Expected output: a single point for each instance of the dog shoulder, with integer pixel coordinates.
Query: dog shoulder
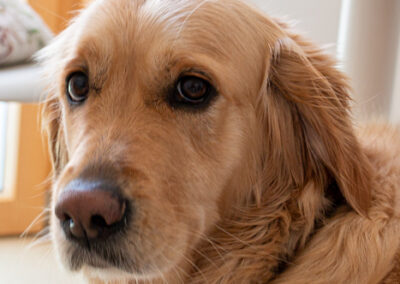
(381, 143)
(338, 244)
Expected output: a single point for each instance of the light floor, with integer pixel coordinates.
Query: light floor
(22, 263)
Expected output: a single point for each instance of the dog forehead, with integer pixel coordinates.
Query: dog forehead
(217, 27)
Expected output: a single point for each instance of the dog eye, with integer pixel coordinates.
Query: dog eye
(77, 87)
(193, 90)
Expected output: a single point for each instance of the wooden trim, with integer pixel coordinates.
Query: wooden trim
(27, 168)
(56, 13)
(11, 157)
(27, 161)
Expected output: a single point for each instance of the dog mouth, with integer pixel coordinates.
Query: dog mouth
(101, 256)
(110, 248)
(126, 254)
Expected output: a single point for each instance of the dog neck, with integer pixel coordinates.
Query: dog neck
(261, 237)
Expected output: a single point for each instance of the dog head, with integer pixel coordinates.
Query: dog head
(162, 115)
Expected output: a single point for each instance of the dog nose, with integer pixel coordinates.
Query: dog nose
(90, 210)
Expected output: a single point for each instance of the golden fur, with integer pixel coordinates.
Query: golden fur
(270, 184)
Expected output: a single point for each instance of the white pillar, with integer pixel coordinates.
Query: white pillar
(367, 48)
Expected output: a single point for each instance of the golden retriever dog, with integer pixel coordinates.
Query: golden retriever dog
(200, 141)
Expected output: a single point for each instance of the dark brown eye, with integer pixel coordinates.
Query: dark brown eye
(77, 87)
(193, 89)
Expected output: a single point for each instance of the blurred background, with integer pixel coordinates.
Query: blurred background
(362, 34)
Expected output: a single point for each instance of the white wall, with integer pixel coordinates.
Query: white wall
(396, 90)
(368, 47)
(316, 19)
(319, 21)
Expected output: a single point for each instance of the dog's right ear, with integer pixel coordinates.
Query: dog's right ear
(51, 124)
(310, 136)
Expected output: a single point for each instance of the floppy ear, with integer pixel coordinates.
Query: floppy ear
(310, 133)
(51, 119)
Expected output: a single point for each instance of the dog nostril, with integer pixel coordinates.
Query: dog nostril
(98, 221)
(69, 225)
(66, 217)
(75, 229)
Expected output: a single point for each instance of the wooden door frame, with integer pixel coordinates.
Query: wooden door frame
(27, 168)
(27, 159)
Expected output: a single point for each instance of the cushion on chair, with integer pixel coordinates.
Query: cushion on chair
(22, 32)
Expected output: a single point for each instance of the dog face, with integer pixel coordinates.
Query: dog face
(149, 105)
(163, 112)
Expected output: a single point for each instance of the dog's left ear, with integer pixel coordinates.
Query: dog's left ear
(304, 83)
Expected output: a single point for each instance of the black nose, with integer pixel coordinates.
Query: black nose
(91, 210)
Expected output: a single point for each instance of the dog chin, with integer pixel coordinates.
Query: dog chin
(95, 267)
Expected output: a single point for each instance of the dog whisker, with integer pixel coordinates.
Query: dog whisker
(39, 218)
